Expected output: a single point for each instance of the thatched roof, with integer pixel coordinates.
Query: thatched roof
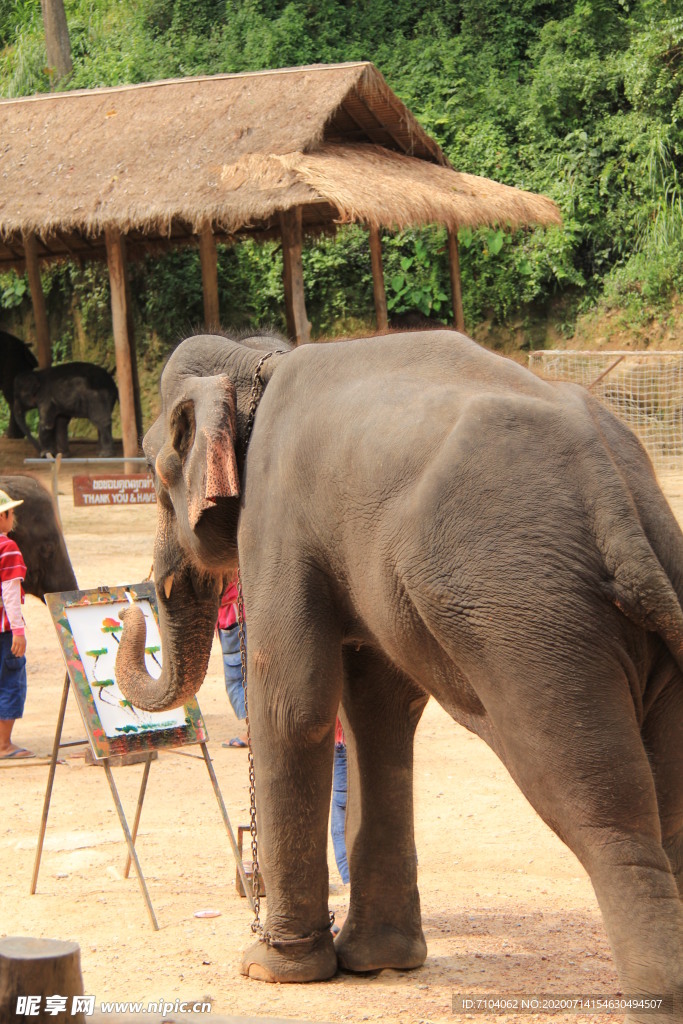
(159, 160)
(376, 186)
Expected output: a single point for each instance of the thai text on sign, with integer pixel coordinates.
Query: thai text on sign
(133, 489)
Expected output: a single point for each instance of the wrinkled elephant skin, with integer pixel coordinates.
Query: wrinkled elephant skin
(417, 516)
(40, 538)
(62, 393)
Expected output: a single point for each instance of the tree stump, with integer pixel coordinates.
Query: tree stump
(46, 969)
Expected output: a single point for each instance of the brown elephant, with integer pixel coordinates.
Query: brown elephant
(417, 516)
(60, 394)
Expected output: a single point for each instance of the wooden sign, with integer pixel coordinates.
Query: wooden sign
(89, 629)
(133, 489)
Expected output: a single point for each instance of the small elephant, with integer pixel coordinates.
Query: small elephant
(417, 516)
(40, 538)
(15, 358)
(61, 393)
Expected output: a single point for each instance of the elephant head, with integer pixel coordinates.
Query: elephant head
(197, 450)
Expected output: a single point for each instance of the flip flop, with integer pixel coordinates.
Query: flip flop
(20, 752)
(234, 742)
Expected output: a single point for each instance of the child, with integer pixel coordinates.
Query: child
(12, 638)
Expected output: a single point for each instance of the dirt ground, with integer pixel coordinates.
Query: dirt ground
(507, 909)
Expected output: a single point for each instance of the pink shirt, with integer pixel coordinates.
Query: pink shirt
(12, 572)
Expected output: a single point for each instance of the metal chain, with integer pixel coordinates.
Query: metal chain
(255, 878)
(256, 392)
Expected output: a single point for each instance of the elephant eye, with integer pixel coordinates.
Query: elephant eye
(183, 428)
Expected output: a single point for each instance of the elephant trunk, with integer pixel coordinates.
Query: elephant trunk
(185, 655)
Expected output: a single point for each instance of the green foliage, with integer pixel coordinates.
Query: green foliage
(13, 289)
(416, 273)
(338, 280)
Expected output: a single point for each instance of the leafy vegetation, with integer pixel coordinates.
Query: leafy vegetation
(578, 99)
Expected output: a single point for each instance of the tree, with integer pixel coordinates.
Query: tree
(57, 40)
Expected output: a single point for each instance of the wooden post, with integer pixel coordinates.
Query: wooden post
(458, 317)
(119, 314)
(378, 280)
(130, 324)
(209, 260)
(38, 300)
(43, 969)
(298, 324)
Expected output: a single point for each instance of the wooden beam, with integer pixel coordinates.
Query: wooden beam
(378, 281)
(456, 290)
(116, 262)
(209, 260)
(38, 299)
(298, 325)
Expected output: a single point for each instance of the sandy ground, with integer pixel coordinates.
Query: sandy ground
(507, 909)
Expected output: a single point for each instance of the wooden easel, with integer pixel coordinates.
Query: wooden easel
(130, 836)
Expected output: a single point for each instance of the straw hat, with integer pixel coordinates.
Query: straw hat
(6, 503)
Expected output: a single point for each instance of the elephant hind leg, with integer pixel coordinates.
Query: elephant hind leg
(62, 435)
(381, 709)
(582, 764)
(663, 736)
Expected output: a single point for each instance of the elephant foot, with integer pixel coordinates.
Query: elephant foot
(286, 964)
(377, 946)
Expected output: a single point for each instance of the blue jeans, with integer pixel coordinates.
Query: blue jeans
(338, 821)
(12, 681)
(232, 668)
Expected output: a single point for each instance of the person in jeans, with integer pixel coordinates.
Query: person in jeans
(229, 636)
(338, 818)
(12, 633)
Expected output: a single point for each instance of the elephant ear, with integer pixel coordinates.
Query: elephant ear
(205, 432)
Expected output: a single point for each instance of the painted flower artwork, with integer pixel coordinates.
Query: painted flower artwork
(96, 630)
(89, 631)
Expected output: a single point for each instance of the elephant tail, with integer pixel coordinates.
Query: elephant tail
(638, 537)
(637, 581)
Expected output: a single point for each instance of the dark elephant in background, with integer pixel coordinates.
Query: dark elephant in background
(60, 394)
(15, 358)
(417, 516)
(39, 536)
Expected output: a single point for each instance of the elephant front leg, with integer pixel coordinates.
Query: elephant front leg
(294, 687)
(381, 711)
(102, 420)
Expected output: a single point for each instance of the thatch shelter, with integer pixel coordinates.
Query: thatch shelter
(114, 173)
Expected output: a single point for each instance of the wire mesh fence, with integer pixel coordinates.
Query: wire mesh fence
(645, 389)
